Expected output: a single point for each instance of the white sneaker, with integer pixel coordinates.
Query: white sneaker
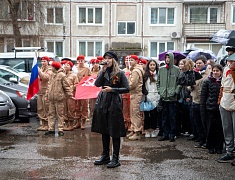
(154, 134)
(147, 134)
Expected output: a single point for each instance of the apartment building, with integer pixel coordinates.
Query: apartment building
(141, 27)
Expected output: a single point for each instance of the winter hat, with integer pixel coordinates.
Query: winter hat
(45, 58)
(63, 62)
(81, 57)
(56, 65)
(70, 63)
(111, 54)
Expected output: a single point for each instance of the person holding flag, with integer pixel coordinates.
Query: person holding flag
(70, 103)
(43, 107)
(81, 104)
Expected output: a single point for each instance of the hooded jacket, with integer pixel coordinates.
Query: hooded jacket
(167, 80)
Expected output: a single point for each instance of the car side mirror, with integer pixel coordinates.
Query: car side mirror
(14, 80)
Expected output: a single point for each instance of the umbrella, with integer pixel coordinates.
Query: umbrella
(207, 53)
(177, 55)
(187, 51)
(225, 37)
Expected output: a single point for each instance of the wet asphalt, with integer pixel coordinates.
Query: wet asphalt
(26, 153)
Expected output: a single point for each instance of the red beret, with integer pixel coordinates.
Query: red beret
(133, 57)
(70, 63)
(63, 62)
(81, 57)
(92, 61)
(143, 61)
(100, 58)
(56, 64)
(45, 58)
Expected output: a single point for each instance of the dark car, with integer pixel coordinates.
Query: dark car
(7, 109)
(17, 93)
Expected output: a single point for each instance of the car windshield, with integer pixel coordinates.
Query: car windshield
(15, 70)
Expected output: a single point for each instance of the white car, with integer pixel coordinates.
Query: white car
(15, 76)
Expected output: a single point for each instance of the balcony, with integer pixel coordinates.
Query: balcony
(201, 30)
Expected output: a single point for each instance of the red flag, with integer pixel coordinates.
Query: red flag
(86, 88)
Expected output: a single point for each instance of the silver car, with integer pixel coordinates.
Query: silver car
(7, 109)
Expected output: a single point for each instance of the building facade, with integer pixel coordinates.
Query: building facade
(141, 27)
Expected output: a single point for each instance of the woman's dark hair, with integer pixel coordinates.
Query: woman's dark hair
(147, 73)
(218, 66)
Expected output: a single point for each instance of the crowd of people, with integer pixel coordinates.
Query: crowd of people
(191, 98)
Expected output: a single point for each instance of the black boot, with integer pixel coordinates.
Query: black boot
(114, 162)
(105, 159)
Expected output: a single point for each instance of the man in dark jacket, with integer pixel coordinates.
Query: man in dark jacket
(168, 90)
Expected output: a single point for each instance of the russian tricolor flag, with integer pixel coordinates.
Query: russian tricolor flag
(33, 84)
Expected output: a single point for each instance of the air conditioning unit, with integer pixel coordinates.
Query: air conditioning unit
(175, 35)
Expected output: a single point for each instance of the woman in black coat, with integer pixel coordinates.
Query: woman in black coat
(209, 110)
(108, 117)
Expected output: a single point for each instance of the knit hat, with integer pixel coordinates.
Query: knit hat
(111, 54)
(45, 58)
(81, 57)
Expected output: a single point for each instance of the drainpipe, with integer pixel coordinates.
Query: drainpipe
(110, 19)
(142, 29)
(70, 31)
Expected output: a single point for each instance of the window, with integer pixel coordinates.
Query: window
(26, 10)
(4, 10)
(90, 48)
(203, 15)
(89, 15)
(56, 47)
(162, 15)
(10, 43)
(55, 15)
(126, 27)
(158, 47)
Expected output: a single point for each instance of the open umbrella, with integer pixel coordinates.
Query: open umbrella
(207, 53)
(225, 37)
(177, 55)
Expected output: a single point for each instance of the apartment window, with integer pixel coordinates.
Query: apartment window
(162, 15)
(26, 43)
(126, 28)
(55, 15)
(56, 47)
(233, 13)
(158, 47)
(89, 15)
(4, 10)
(203, 15)
(90, 48)
(25, 10)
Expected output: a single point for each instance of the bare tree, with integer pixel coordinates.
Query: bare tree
(26, 16)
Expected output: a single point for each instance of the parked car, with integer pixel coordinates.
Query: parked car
(22, 58)
(18, 93)
(15, 76)
(7, 109)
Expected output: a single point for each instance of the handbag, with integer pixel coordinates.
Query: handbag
(146, 106)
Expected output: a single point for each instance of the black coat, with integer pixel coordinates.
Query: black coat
(108, 116)
(209, 95)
